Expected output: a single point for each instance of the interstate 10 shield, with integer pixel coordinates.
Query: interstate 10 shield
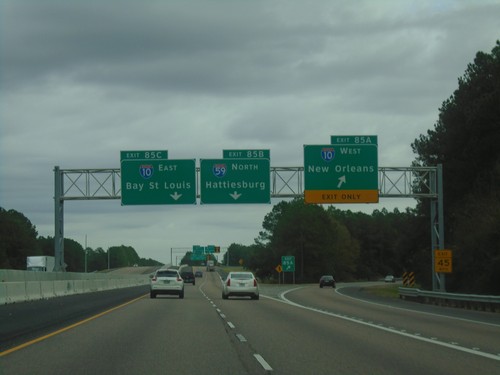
(146, 171)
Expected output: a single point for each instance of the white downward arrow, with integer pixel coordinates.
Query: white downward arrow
(235, 195)
(341, 181)
(176, 196)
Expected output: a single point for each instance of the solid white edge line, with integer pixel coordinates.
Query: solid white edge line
(263, 362)
(414, 311)
(420, 338)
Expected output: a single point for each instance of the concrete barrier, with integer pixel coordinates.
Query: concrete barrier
(3, 293)
(16, 292)
(33, 290)
(47, 289)
(20, 286)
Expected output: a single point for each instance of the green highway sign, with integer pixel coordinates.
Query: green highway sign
(345, 171)
(235, 181)
(197, 249)
(246, 154)
(355, 140)
(288, 263)
(153, 181)
(198, 257)
(146, 155)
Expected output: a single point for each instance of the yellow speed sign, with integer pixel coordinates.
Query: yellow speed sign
(443, 261)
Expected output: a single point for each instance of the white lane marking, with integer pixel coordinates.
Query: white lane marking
(263, 362)
(231, 325)
(413, 311)
(283, 299)
(241, 337)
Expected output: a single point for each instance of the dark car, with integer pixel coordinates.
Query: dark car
(198, 274)
(327, 280)
(188, 277)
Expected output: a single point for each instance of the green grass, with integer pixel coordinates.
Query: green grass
(388, 291)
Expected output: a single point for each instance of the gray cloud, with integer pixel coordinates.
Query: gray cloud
(80, 81)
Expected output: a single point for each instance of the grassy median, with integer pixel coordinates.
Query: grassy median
(387, 291)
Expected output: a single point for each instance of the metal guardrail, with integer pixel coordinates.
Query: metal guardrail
(468, 301)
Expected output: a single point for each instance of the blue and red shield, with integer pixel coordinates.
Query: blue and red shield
(146, 171)
(219, 170)
(327, 154)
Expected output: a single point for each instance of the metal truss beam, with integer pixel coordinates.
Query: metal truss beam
(286, 182)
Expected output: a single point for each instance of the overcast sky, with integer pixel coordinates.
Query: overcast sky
(82, 80)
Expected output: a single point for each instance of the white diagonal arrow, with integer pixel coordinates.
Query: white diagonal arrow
(341, 181)
(235, 195)
(176, 196)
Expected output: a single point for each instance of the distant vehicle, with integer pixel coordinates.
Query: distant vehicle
(240, 284)
(210, 265)
(327, 280)
(198, 274)
(40, 263)
(187, 273)
(188, 276)
(390, 279)
(166, 281)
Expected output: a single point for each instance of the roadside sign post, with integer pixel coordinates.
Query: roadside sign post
(279, 269)
(345, 171)
(288, 265)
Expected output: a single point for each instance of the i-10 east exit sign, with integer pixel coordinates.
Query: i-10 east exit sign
(148, 178)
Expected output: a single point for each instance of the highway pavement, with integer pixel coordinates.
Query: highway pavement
(292, 329)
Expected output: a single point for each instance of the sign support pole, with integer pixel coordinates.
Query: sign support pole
(59, 221)
(437, 227)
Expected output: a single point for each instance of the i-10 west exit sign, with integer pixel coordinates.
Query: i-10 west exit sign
(345, 171)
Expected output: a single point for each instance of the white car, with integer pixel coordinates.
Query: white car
(166, 281)
(390, 279)
(240, 284)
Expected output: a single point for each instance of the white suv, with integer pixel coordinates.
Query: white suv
(166, 281)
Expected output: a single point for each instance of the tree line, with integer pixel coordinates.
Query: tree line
(349, 245)
(466, 141)
(19, 239)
